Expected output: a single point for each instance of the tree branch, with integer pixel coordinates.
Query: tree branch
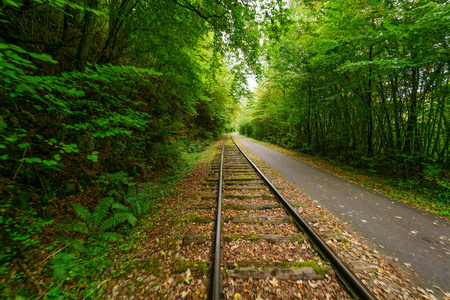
(193, 9)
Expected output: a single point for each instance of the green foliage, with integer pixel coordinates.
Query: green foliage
(90, 95)
(97, 221)
(364, 83)
(63, 262)
(19, 232)
(77, 268)
(139, 203)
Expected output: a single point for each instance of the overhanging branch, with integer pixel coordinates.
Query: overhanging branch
(199, 13)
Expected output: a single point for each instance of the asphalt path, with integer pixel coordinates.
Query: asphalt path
(416, 240)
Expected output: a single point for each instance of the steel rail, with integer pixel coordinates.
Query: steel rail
(215, 280)
(348, 278)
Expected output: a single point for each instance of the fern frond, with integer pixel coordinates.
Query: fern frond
(110, 236)
(115, 220)
(136, 208)
(72, 225)
(63, 262)
(132, 220)
(140, 203)
(101, 210)
(82, 212)
(120, 207)
(145, 206)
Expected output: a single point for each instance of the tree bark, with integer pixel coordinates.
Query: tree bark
(86, 40)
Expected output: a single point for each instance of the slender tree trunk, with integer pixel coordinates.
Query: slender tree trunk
(411, 147)
(309, 114)
(88, 30)
(387, 123)
(369, 107)
(397, 114)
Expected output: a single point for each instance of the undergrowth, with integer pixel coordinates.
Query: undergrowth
(85, 248)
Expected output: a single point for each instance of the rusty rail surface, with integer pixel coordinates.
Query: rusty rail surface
(215, 280)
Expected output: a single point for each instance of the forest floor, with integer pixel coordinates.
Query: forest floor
(159, 266)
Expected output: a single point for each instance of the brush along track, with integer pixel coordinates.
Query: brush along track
(263, 253)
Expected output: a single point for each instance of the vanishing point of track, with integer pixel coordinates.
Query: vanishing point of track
(237, 173)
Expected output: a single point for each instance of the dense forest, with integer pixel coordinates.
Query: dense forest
(364, 83)
(104, 103)
(101, 103)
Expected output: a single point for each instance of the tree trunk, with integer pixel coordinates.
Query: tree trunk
(369, 107)
(86, 40)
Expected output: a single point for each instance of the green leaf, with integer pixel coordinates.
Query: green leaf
(49, 163)
(4, 157)
(31, 160)
(93, 157)
(12, 3)
(23, 145)
(57, 157)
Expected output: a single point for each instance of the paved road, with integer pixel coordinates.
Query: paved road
(398, 230)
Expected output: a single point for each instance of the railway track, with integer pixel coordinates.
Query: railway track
(261, 242)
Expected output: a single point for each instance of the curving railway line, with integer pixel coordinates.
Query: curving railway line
(259, 235)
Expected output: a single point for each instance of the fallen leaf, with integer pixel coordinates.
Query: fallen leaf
(188, 276)
(274, 282)
(237, 296)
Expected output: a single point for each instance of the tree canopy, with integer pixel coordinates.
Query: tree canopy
(364, 82)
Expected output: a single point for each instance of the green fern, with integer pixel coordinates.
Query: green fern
(116, 219)
(111, 236)
(101, 211)
(82, 212)
(63, 262)
(120, 207)
(72, 225)
(94, 222)
(140, 201)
